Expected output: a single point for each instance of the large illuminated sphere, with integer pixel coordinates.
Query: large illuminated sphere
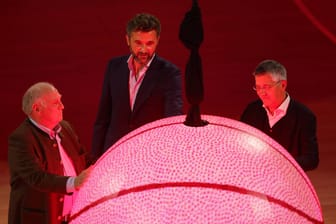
(224, 172)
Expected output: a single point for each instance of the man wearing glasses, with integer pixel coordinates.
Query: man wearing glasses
(287, 121)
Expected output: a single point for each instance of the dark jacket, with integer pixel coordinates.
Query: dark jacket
(37, 184)
(296, 131)
(159, 96)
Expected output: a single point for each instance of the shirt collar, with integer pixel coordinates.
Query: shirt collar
(130, 64)
(51, 132)
(284, 105)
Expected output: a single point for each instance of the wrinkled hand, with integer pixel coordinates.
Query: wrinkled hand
(82, 177)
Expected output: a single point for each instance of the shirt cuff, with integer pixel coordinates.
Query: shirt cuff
(70, 185)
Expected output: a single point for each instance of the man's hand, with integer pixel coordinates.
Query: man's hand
(82, 177)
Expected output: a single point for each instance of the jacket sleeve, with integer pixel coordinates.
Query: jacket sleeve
(308, 156)
(173, 95)
(102, 121)
(26, 164)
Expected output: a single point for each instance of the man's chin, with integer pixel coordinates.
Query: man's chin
(143, 62)
(265, 103)
(143, 59)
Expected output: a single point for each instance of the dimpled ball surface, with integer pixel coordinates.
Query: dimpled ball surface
(224, 172)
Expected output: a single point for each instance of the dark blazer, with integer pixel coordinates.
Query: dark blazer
(37, 184)
(296, 131)
(159, 96)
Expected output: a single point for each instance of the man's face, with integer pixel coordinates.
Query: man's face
(50, 109)
(271, 92)
(142, 45)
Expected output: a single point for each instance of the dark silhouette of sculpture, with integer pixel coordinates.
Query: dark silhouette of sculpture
(191, 35)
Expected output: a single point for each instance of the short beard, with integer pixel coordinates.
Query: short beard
(136, 58)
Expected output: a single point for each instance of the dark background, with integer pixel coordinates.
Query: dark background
(68, 43)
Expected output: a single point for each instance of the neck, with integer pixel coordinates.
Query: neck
(137, 67)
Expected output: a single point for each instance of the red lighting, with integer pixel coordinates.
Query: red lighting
(224, 172)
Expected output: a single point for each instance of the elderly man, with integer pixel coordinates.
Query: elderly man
(45, 158)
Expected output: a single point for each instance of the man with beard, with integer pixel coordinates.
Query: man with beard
(138, 88)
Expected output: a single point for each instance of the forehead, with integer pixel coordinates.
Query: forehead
(264, 77)
(50, 95)
(144, 36)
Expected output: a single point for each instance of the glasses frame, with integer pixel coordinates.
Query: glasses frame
(266, 87)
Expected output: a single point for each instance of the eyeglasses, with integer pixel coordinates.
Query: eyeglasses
(265, 87)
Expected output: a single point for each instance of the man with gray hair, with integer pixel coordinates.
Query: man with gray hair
(46, 161)
(284, 119)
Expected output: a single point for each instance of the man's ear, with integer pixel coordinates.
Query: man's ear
(284, 84)
(127, 40)
(36, 107)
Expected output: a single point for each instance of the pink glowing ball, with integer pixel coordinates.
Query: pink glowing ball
(224, 172)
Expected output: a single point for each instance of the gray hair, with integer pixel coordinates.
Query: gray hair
(277, 70)
(34, 93)
(143, 22)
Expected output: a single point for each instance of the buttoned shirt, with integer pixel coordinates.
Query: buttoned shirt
(135, 80)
